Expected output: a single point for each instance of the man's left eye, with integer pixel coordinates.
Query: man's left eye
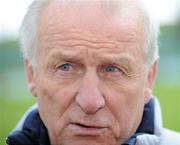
(112, 69)
(65, 67)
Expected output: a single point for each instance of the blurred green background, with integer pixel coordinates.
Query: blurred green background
(15, 98)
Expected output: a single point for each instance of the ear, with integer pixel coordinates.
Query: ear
(150, 81)
(30, 77)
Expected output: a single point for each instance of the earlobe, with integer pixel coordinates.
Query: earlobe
(150, 81)
(30, 77)
(32, 88)
(148, 94)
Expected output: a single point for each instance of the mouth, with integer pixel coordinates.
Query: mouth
(87, 126)
(86, 129)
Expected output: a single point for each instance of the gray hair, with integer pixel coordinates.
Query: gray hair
(28, 32)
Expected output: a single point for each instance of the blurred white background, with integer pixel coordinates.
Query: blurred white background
(12, 12)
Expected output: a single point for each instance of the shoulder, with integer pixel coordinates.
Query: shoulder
(30, 130)
(170, 137)
(30, 113)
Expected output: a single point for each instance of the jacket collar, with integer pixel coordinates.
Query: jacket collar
(32, 132)
(147, 124)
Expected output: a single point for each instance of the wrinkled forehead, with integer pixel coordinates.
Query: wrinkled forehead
(102, 16)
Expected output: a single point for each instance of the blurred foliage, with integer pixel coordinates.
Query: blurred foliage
(10, 113)
(169, 40)
(9, 54)
(169, 97)
(15, 98)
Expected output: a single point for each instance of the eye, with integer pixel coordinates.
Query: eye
(112, 69)
(65, 67)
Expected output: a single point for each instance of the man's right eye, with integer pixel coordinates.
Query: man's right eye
(65, 67)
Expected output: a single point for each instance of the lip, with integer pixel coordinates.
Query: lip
(86, 130)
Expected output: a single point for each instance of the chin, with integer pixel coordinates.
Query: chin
(85, 140)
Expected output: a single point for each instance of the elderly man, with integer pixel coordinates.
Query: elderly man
(91, 64)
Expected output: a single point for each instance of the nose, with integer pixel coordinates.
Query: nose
(89, 98)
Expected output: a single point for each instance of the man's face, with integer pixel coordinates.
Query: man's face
(90, 81)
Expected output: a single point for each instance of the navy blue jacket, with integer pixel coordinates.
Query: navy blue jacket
(33, 132)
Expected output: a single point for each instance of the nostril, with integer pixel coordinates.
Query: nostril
(90, 105)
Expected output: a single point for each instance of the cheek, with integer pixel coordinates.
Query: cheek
(126, 104)
(54, 100)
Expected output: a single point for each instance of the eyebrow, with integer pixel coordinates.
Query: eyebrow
(114, 56)
(106, 58)
(116, 59)
(67, 56)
